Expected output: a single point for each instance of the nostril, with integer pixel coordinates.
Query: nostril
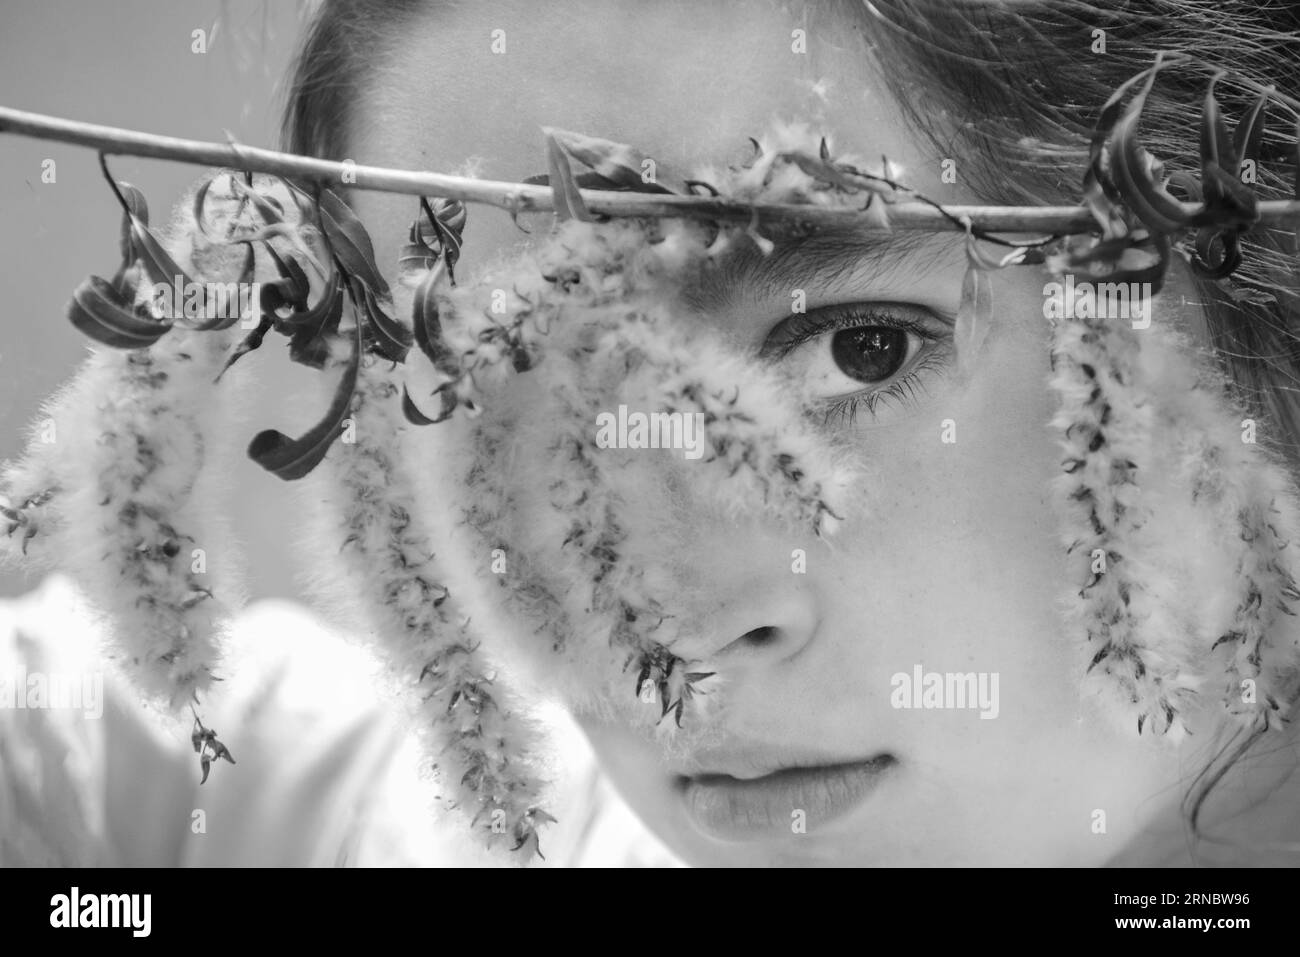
(759, 636)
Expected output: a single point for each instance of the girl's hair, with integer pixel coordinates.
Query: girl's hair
(1010, 90)
(344, 44)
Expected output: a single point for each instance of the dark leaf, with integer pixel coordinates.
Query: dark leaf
(295, 286)
(1218, 252)
(250, 342)
(135, 201)
(102, 313)
(1106, 119)
(541, 817)
(313, 328)
(304, 201)
(1249, 134)
(447, 220)
(451, 213)
(384, 334)
(350, 242)
(1226, 196)
(157, 262)
(219, 751)
(521, 360)
(616, 162)
(1216, 146)
(1135, 171)
(1228, 201)
(269, 209)
(291, 459)
(200, 205)
(290, 234)
(568, 201)
(428, 327)
(416, 417)
(275, 296)
(1187, 184)
(416, 258)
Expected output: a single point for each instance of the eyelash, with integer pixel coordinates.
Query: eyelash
(900, 390)
(805, 327)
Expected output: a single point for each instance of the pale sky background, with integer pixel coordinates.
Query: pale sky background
(124, 63)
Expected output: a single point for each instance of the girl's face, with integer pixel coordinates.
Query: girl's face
(960, 571)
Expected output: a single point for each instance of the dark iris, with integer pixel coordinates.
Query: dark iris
(869, 353)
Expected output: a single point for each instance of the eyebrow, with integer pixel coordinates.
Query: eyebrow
(825, 260)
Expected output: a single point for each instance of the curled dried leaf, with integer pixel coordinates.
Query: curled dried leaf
(1137, 174)
(383, 334)
(291, 458)
(428, 327)
(616, 163)
(157, 262)
(568, 201)
(267, 207)
(101, 312)
(137, 208)
(413, 414)
(312, 329)
(249, 343)
(291, 235)
(350, 243)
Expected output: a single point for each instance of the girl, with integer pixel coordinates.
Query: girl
(926, 685)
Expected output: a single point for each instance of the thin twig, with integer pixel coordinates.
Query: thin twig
(519, 197)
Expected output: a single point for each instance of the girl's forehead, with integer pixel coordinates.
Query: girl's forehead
(684, 83)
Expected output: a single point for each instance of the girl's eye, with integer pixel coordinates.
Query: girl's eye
(860, 355)
(870, 354)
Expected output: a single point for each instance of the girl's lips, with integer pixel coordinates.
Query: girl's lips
(731, 809)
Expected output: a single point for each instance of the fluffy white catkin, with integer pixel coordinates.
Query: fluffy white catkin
(1180, 530)
(373, 548)
(115, 489)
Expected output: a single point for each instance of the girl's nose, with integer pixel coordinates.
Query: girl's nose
(762, 622)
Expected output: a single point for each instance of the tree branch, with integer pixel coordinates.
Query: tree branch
(519, 197)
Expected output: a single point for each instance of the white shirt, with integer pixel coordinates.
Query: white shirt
(326, 774)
